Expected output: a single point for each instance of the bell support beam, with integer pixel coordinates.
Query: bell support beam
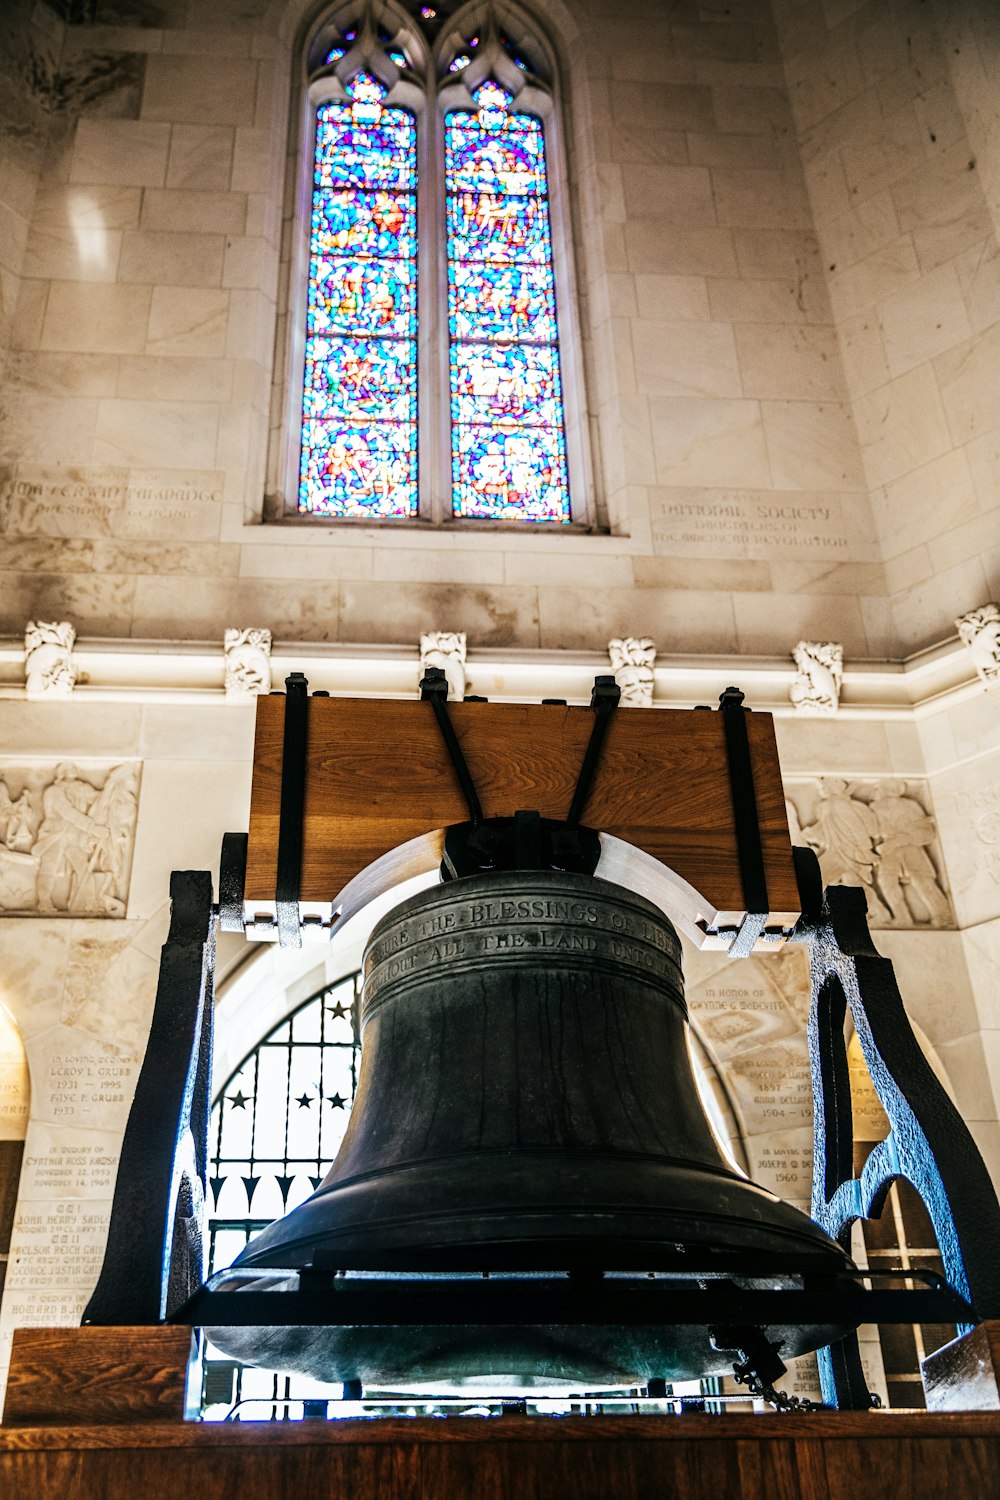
(155, 1252)
(381, 781)
(928, 1142)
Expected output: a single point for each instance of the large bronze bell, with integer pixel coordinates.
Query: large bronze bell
(527, 1103)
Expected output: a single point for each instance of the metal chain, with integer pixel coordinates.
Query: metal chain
(780, 1400)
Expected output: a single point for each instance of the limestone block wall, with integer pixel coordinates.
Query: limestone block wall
(31, 41)
(80, 988)
(137, 492)
(970, 36)
(899, 141)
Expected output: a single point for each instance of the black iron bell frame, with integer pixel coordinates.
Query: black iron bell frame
(154, 1265)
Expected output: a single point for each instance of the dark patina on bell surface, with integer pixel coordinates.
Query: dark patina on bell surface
(527, 1103)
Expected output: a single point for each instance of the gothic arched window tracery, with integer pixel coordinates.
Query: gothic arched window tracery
(429, 361)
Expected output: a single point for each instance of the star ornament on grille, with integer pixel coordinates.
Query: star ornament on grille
(304, 1101)
(239, 1100)
(337, 1100)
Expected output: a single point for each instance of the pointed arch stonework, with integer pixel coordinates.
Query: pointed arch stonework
(396, 417)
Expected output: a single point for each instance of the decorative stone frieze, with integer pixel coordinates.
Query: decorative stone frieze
(879, 835)
(445, 649)
(632, 659)
(66, 839)
(50, 671)
(980, 632)
(248, 662)
(816, 690)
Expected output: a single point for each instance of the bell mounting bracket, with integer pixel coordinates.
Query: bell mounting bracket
(527, 841)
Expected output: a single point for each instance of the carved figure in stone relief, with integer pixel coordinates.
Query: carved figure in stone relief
(980, 632)
(445, 649)
(879, 836)
(15, 820)
(816, 690)
(48, 659)
(81, 854)
(906, 873)
(843, 835)
(248, 661)
(65, 840)
(632, 659)
(113, 813)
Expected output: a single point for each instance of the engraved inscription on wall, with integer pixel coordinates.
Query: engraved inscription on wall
(121, 503)
(749, 523)
(66, 838)
(881, 836)
(975, 810)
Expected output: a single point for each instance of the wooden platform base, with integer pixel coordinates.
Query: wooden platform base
(97, 1414)
(61, 1377)
(867, 1456)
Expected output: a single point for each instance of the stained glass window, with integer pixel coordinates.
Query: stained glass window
(507, 423)
(359, 407)
(487, 246)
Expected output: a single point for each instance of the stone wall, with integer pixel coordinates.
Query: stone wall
(901, 151)
(725, 464)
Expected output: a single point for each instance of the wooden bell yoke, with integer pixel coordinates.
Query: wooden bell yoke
(352, 796)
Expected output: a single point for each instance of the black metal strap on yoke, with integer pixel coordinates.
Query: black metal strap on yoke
(604, 699)
(293, 799)
(747, 823)
(527, 841)
(434, 689)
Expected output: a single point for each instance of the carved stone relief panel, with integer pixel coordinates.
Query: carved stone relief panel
(881, 836)
(816, 689)
(632, 661)
(445, 649)
(49, 669)
(66, 838)
(248, 662)
(980, 632)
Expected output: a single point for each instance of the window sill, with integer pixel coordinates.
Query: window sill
(296, 530)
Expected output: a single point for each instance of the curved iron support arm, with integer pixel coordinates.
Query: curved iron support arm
(928, 1142)
(155, 1256)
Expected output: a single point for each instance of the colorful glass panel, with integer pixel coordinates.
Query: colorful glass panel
(363, 297)
(380, 155)
(491, 301)
(509, 475)
(350, 470)
(503, 382)
(359, 408)
(360, 380)
(508, 427)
